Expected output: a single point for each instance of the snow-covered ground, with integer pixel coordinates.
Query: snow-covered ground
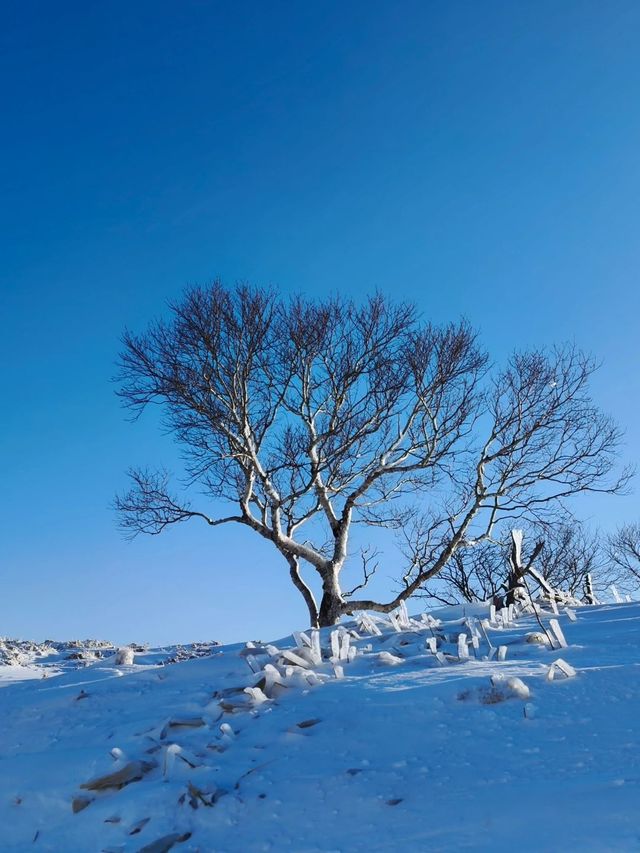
(25, 659)
(409, 751)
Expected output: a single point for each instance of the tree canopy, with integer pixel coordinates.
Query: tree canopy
(307, 416)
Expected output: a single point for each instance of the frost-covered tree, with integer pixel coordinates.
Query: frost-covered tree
(310, 416)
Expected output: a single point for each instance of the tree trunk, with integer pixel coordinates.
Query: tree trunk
(294, 572)
(515, 584)
(330, 608)
(588, 590)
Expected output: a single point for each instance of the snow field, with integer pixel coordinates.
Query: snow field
(384, 734)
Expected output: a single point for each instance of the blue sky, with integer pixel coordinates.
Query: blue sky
(480, 158)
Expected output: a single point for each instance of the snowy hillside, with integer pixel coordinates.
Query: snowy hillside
(23, 659)
(404, 737)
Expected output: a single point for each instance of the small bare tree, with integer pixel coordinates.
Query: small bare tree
(545, 443)
(623, 549)
(472, 574)
(568, 553)
(311, 416)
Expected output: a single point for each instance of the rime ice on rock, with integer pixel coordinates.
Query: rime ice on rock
(125, 656)
(463, 650)
(562, 668)
(557, 632)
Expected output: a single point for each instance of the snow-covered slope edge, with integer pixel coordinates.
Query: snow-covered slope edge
(406, 752)
(22, 659)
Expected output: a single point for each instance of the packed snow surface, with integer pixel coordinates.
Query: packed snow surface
(384, 735)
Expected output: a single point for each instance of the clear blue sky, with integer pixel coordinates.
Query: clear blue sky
(480, 158)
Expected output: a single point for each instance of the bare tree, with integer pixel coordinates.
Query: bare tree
(546, 442)
(312, 416)
(567, 554)
(570, 553)
(471, 574)
(623, 549)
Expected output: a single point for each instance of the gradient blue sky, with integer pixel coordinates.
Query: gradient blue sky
(480, 158)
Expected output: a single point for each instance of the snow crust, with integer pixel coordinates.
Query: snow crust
(390, 735)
